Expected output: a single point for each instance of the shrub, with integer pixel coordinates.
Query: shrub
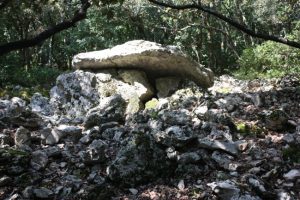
(44, 76)
(268, 60)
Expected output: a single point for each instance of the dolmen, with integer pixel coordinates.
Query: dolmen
(155, 59)
(123, 78)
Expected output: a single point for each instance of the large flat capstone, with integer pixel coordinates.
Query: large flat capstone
(153, 58)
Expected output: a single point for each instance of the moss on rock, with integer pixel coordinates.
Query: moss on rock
(152, 104)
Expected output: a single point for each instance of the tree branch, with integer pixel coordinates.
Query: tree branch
(79, 15)
(232, 22)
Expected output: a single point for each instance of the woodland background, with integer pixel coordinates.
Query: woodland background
(209, 40)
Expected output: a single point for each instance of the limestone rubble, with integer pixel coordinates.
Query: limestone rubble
(189, 145)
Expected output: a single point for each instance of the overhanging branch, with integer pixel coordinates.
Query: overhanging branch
(232, 22)
(79, 15)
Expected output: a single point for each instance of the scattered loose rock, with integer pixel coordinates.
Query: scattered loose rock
(40, 104)
(39, 160)
(22, 137)
(292, 174)
(228, 147)
(5, 181)
(42, 193)
(99, 136)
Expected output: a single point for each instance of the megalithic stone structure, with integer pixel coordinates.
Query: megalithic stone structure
(153, 58)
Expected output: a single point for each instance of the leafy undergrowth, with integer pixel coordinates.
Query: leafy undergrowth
(268, 60)
(250, 74)
(19, 82)
(24, 93)
(44, 76)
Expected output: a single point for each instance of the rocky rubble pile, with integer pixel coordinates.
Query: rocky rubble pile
(101, 137)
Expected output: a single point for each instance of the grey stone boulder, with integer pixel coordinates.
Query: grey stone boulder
(43, 193)
(132, 85)
(53, 151)
(110, 109)
(225, 161)
(22, 137)
(139, 80)
(228, 190)
(189, 157)
(71, 132)
(5, 140)
(27, 119)
(39, 160)
(228, 103)
(15, 112)
(211, 144)
(218, 116)
(176, 117)
(13, 161)
(54, 135)
(174, 136)
(95, 152)
(28, 192)
(79, 92)
(50, 136)
(10, 109)
(256, 184)
(139, 160)
(153, 58)
(5, 181)
(41, 104)
(292, 174)
(276, 120)
(74, 94)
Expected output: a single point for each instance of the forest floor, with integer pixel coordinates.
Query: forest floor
(239, 141)
(267, 117)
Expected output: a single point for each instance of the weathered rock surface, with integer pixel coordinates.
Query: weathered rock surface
(5, 181)
(39, 160)
(22, 137)
(227, 190)
(137, 161)
(74, 94)
(276, 120)
(78, 92)
(40, 104)
(95, 152)
(156, 59)
(111, 109)
(228, 147)
(50, 136)
(137, 79)
(42, 193)
(166, 86)
(292, 174)
(15, 112)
